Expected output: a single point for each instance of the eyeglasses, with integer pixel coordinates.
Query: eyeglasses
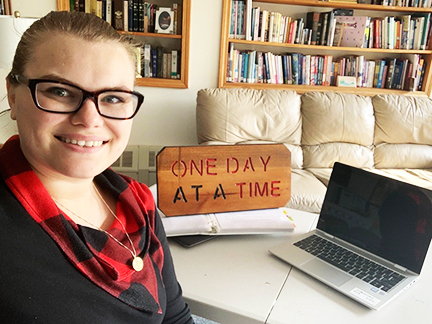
(63, 98)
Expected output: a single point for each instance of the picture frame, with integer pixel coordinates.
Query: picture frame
(346, 81)
(164, 21)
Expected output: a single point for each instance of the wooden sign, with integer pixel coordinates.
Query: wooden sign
(220, 178)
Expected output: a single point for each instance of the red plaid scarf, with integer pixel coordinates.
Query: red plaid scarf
(101, 259)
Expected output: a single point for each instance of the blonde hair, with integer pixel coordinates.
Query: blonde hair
(78, 24)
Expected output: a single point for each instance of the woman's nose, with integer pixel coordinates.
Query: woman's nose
(88, 114)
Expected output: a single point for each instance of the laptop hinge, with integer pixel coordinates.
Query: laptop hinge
(400, 267)
(326, 234)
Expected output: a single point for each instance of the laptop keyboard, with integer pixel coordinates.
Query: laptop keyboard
(350, 262)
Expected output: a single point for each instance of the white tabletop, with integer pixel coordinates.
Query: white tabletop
(306, 300)
(234, 279)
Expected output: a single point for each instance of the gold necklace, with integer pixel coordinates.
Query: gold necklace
(137, 262)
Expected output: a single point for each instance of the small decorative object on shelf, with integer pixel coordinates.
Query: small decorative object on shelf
(164, 21)
(307, 51)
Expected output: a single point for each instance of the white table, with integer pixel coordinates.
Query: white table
(235, 280)
(306, 300)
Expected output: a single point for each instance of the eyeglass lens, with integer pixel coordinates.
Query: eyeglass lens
(57, 97)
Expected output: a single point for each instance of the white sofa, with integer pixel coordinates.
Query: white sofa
(388, 134)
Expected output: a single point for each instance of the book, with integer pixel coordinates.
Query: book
(174, 63)
(390, 73)
(331, 30)
(138, 55)
(425, 30)
(354, 30)
(271, 26)
(370, 74)
(135, 16)
(165, 65)
(295, 68)
(109, 8)
(146, 73)
(338, 32)
(118, 14)
(154, 62)
(406, 23)
(312, 23)
(248, 10)
(423, 69)
(324, 29)
(230, 223)
(125, 15)
(141, 16)
(176, 19)
(366, 34)
(343, 12)
(160, 54)
(241, 24)
(264, 26)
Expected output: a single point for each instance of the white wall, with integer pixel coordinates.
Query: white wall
(32, 8)
(168, 115)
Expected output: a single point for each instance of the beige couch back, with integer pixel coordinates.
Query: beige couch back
(385, 131)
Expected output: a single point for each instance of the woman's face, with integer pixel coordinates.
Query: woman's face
(47, 138)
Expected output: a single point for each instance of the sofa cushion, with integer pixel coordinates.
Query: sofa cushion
(322, 174)
(246, 115)
(307, 192)
(420, 178)
(403, 132)
(401, 156)
(337, 127)
(324, 155)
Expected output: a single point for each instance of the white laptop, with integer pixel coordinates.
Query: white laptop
(372, 236)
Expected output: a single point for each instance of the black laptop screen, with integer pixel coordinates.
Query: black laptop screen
(386, 217)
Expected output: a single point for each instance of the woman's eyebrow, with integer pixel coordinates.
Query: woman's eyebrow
(55, 77)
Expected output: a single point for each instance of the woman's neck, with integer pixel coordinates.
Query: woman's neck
(79, 199)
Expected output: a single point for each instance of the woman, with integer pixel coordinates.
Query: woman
(79, 243)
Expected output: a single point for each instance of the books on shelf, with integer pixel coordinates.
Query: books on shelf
(322, 70)
(397, 3)
(157, 62)
(406, 31)
(404, 3)
(127, 15)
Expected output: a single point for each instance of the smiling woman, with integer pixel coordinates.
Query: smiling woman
(95, 243)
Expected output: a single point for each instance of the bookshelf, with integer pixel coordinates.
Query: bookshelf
(300, 9)
(179, 41)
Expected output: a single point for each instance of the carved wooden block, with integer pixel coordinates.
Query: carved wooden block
(220, 178)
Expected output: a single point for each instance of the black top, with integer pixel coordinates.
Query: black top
(39, 285)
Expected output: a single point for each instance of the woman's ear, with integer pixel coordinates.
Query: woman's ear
(11, 95)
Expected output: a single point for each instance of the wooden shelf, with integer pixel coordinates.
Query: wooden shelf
(330, 48)
(156, 35)
(160, 83)
(183, 82)
(317, 49)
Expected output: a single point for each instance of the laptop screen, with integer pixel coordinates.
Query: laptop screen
(386, 217)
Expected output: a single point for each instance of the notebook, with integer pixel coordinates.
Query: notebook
(371, 239)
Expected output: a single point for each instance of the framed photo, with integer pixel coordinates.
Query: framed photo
(346, 81)
(164, 22)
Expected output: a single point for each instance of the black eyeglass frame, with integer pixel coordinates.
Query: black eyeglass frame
(32, 83)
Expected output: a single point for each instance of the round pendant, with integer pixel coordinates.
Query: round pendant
(137, 264)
